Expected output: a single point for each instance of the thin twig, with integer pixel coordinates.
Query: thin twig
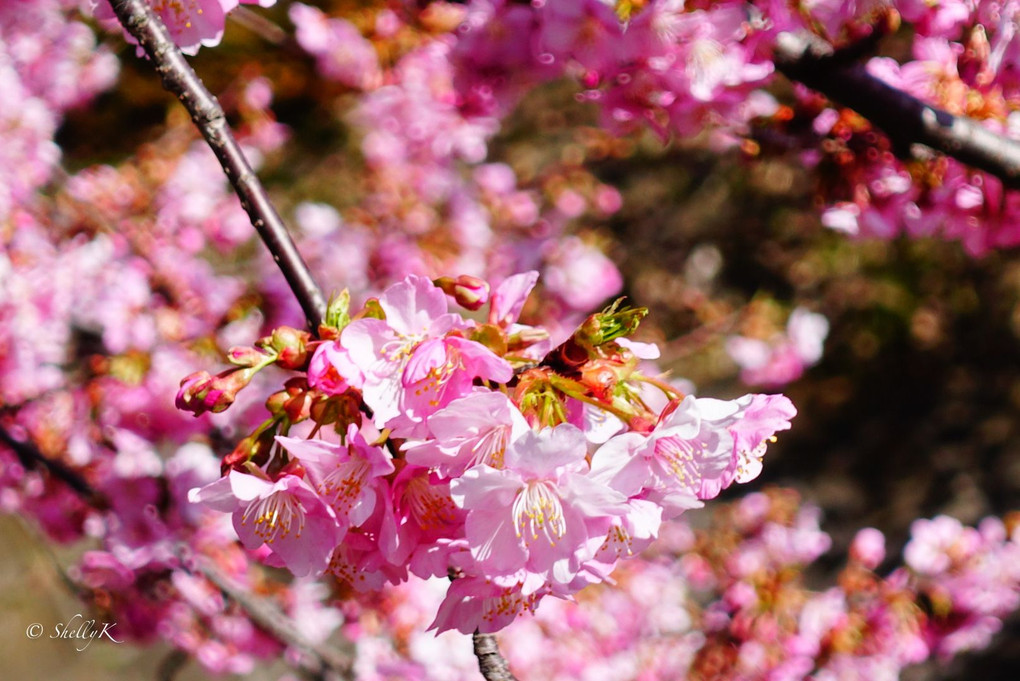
(491, 662)
(904, 118)
(321, 660)
(179, 78)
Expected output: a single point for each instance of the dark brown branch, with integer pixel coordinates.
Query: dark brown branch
(179, 78)
(32, 459)
(492, 664)
(905, 119)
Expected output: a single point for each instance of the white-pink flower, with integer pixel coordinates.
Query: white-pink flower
(542, 512)
(783, 358)
(670, 464)
(286, 515)
(472, 430)
(411, 367)
(415, 311)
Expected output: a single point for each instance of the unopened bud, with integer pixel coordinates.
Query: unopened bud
(275, 402)
(201, 393)
(298, 407)
(247, 356)
(469, 292)
(290, 345)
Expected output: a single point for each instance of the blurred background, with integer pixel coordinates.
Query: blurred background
(911, 412)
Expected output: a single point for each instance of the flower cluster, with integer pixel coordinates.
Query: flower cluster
(731, 600)
(48, 64)
(444, 445)
(784, 356)
(433, 203)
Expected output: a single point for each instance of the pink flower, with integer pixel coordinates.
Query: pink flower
(348, 477)
(423, 516)
(630, 534)
(332, 370)
(192, 23)
(753, 426)
(341, 52)
(415, 311)
(472, 430)
(783, 358)
(286, 515)
(580, 274)
(541, 513)
(485, 605)
(670, 464)
(411, 367)
(443, 369)
(868, 547)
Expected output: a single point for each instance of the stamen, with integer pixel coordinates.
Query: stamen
(343, 486)
(541, 508)
(491, 446)
(429, 508)
(275, 516)
(678, 456)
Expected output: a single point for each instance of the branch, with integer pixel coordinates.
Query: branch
(904, 118)
(179, 78)
(322, 660)
(492, 664)
(32, 459)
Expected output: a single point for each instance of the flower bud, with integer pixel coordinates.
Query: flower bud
(290, 345)
(247, 356)
(610, 324)
(298, 407)
(201, 393)
(469, 292)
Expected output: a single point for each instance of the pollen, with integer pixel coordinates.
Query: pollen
(509, 603)
(619, 542)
